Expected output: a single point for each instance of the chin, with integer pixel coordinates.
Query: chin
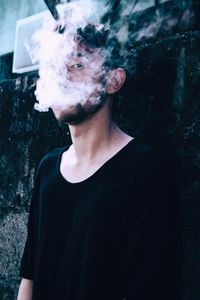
(76, 115)
(60, 110)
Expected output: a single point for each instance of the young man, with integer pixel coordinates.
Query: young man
(104, 219)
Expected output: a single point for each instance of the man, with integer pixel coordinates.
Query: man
(104, 219)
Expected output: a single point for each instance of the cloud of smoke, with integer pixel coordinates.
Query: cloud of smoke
(56, 49)
(61, 47)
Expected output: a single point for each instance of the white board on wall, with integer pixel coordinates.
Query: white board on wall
(25, 28)
(10, 12)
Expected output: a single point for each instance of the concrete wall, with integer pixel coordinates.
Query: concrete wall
(161, 108)
(10, 12)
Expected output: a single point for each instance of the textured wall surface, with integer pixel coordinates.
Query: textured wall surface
(161, 108)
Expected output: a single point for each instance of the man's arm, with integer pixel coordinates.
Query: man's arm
(154, 238)
(25, 289)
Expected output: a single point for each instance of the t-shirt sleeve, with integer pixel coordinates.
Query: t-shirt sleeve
(28, 257)
(154, 238)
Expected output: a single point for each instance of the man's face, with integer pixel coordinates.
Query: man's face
(84, 71)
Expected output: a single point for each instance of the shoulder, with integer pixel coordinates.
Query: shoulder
(50, 158)
(144, 155)
(144, 159)
(153, 180)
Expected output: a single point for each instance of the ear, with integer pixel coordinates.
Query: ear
(115, 81)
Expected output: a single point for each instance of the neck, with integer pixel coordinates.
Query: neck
(94, 136)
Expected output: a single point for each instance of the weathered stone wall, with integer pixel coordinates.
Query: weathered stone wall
(161, 108)
(24, 138)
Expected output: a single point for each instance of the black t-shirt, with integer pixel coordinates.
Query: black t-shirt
(113, 236)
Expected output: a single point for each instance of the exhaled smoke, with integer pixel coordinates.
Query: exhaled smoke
(77, 51)
(70, 72)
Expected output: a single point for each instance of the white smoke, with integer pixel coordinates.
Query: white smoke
(54, 52)
(60, 83)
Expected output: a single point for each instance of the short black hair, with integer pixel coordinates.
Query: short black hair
(92, 36)
(102, 38)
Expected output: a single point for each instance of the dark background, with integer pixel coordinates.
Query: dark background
(161, 107)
